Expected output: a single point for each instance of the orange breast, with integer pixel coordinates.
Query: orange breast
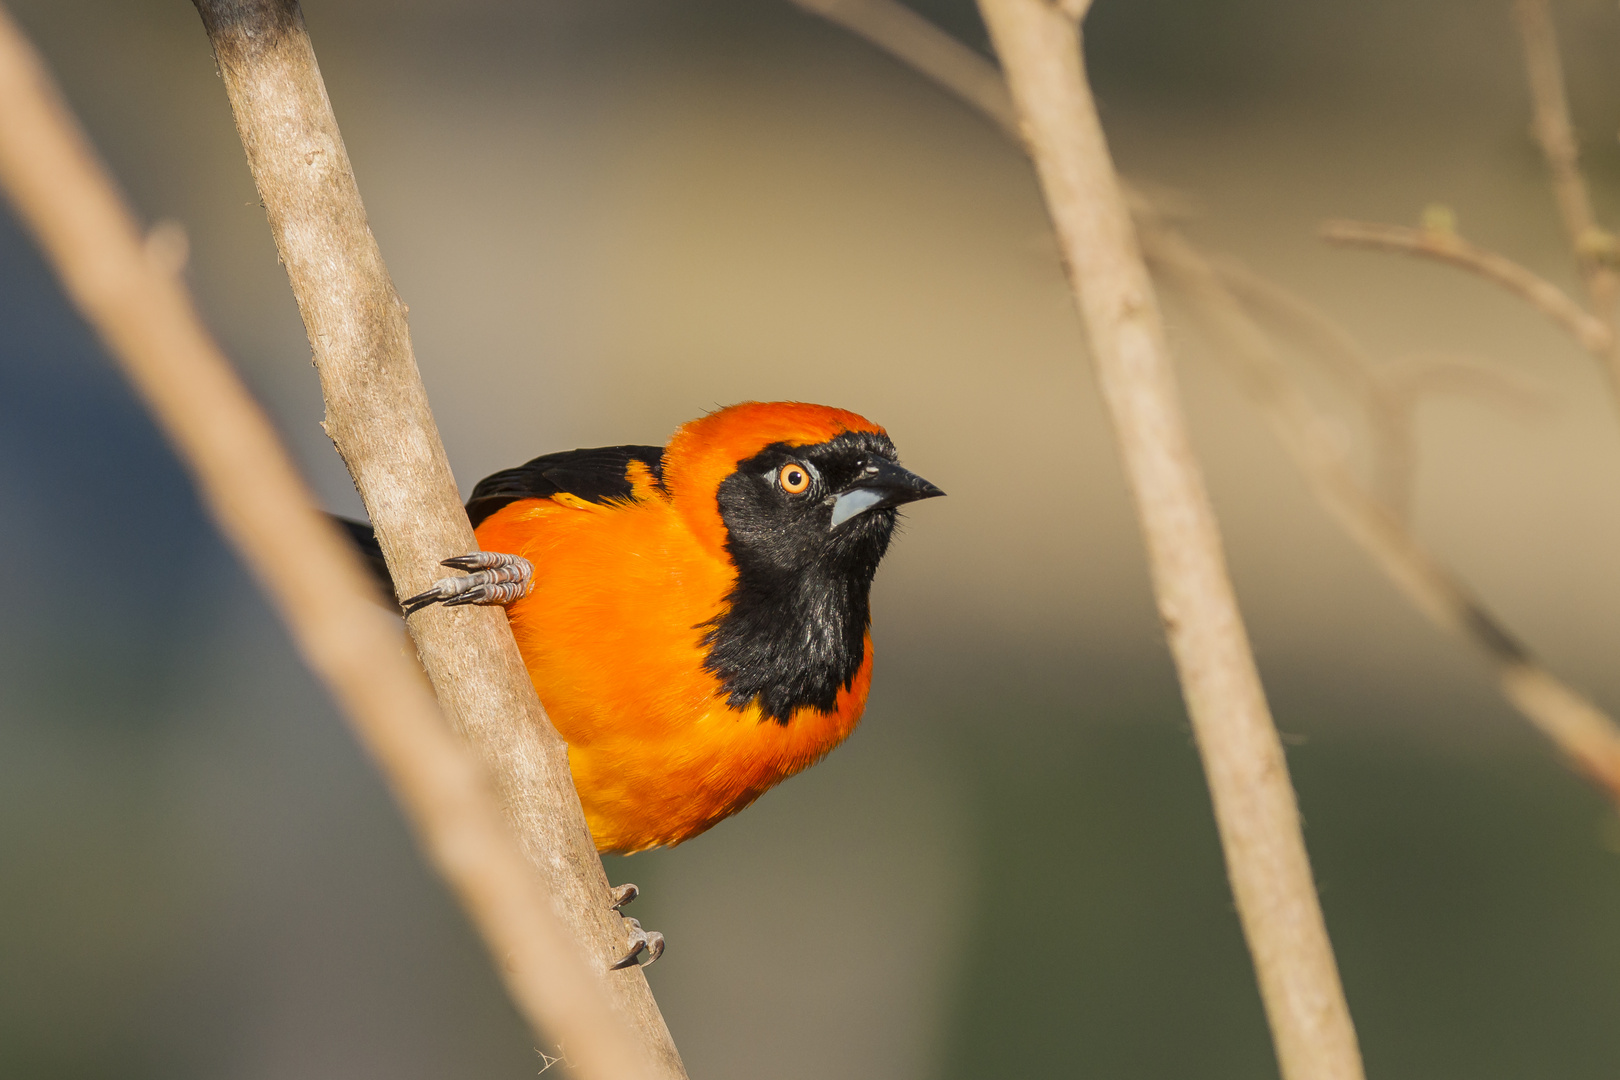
(611, 633)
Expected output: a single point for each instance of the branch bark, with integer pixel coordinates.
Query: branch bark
(1592, 333)
(129, 290)
(378, 418)
(1255, 808)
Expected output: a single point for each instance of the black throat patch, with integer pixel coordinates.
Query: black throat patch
(793, 635)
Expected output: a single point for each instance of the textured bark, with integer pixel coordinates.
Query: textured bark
(1255, 809)
(129, 290)
(377, 416)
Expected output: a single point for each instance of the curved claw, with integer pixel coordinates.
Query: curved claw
(492, 577)
(649, 941)
(623, 894)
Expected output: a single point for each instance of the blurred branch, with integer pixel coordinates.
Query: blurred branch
(128, 289)
(1587, 736)
(1555, 134)
(1426, 374)
(1595, 248)
(1592, 333)
(1387, 409)
(1255, 809)
(918, 43)
(379, 420)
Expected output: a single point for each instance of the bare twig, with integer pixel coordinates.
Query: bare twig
(1255, 808)
(912, 39)
(1595, 248)
(1579, 729)
(129, 290)
(1427, 374)
(1588, 737)
(378, 417)
(1592, 333)
(919, 43)
(1555, 134)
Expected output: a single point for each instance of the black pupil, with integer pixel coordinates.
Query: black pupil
(795, 478)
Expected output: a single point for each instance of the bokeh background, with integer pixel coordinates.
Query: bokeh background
(609, 216)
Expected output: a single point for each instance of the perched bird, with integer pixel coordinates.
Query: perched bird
(695, 618)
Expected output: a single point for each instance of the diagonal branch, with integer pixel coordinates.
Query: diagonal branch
(135, 300)
(1555, 134)
(1591, 332)
(1387, 412)
(1587, 736)
(1594, 247)
(1255, 809)
(918, 43)
(378, 418)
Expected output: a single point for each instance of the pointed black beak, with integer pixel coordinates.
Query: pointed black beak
(883, 483)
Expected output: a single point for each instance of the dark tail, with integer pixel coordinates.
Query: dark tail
(365, 539)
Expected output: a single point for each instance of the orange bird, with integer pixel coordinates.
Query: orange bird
(695, 618)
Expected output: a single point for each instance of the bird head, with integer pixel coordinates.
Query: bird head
(785, 487)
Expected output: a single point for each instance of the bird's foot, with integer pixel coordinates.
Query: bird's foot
(491, 577)
(650, 942)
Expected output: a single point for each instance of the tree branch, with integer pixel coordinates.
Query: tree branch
(1590, 332)
(379, 420)
(1555, 134)
(1255, 808)
(1577, 727)
(1587, 737)
(915, 41)
(129, 290)
(1594, 247)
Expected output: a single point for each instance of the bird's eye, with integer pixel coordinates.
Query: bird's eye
(794, 478)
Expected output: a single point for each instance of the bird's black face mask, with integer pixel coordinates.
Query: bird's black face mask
(806, 528)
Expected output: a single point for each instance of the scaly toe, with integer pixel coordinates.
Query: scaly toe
(494, 578)
(640, 942)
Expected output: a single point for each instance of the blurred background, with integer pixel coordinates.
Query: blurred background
(610, 216)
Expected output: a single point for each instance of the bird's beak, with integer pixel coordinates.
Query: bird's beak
(882, 484)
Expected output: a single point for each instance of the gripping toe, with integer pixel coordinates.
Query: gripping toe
(491, 577)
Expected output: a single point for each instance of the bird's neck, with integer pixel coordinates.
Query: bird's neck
(790, 643)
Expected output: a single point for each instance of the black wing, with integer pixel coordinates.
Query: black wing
(599, 474)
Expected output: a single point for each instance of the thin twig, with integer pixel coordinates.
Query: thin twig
(1591, 332)
(1555, 134)
(378, 418)
(918, 43)
(1588, 737)
(1578, 728)
(131, 293)
(1255, 809)
(1594, 247)
(913, 40)
(1429, 374)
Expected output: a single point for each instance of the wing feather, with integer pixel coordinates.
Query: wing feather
(598, 474)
